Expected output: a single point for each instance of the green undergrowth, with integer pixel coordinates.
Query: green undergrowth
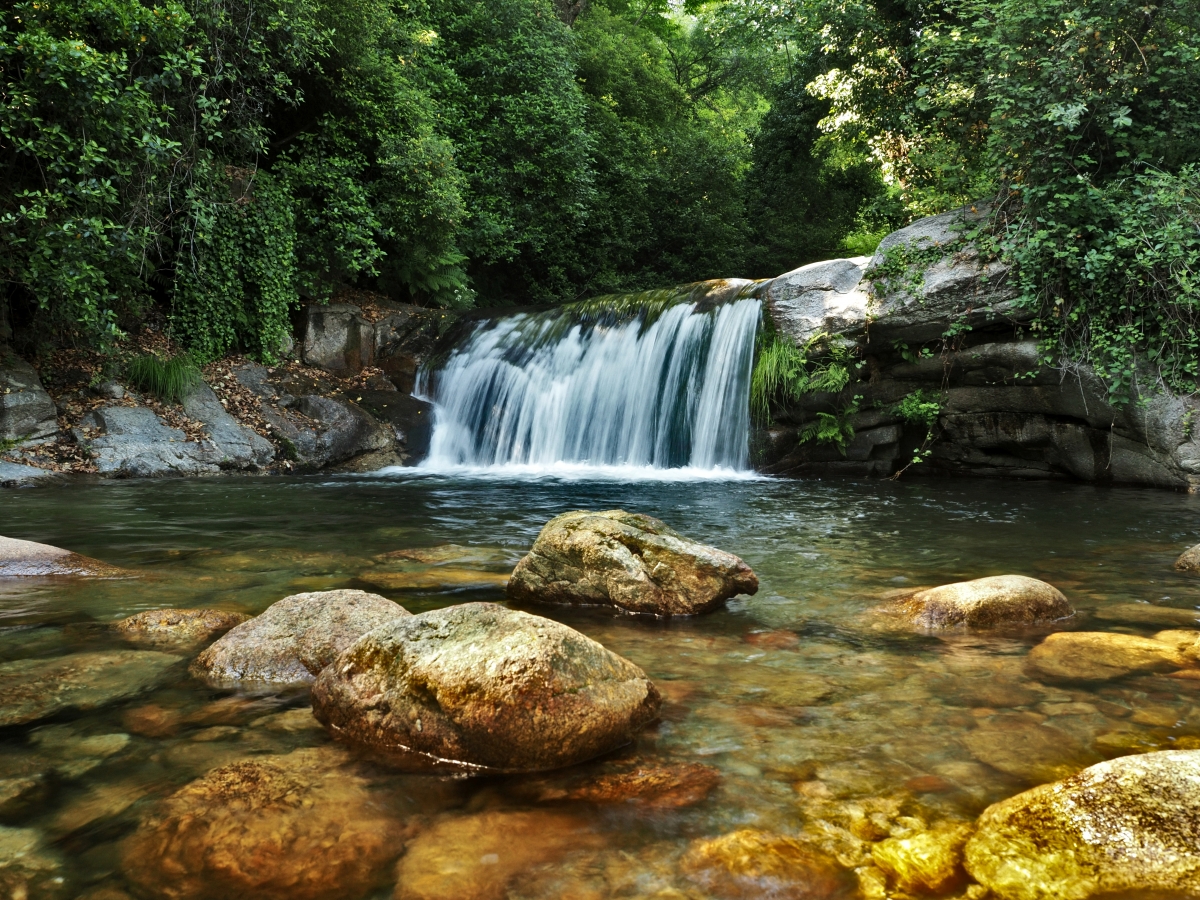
(784, 372)
(920, 408)
(169, 380)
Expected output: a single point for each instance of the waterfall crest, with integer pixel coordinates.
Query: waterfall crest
(666, 388)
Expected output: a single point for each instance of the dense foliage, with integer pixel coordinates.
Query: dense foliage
(218, 160)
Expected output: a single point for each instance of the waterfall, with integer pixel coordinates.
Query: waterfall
(666, 388)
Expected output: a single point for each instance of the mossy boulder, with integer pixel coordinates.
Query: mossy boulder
(627, 560)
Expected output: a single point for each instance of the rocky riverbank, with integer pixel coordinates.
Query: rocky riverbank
(340, 399)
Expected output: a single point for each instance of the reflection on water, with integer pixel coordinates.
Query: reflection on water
(812, 717)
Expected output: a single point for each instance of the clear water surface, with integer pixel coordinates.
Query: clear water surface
(819, 715)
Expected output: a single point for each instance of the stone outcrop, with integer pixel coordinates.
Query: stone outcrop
(19, 475)
(630, 561)
(29, 559)
(26, 411)
(478, 687)
(1100, 656)
(33, 689)
(342, 338)
(177, 627)
(926, 313)
(303, 826)
(986, 602)
(1127, 827)
(131, 441)
(294, 638)
(337, 338)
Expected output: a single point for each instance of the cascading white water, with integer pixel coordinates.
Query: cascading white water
(536, 391)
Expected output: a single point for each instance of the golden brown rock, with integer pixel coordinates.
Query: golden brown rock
(1186, 641)
(475, 857)
(480, 687)
(1128, 827)
(1148, 614)
(1100, 656)
(1189, 560)
(296, 827)
(627, 560)
(178, 626)
(29, 559)
(928, 862)
(294, 638)
(439, 578)
(986, 602)
(755, 864)
(661, 787)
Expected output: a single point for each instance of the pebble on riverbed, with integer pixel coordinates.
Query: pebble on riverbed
(481, 687)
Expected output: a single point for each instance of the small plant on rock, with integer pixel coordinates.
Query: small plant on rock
(168, 380)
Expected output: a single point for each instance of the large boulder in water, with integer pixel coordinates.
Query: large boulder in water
(296, 827)
(294, 638)
(985, 602)
(1128, 827)
(480, 687)
(26, 559)
(627, 560)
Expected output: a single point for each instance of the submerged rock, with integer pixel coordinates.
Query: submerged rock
(294, 638)
(1189, 560)
(1127, 827)
(1100, 656)
(985, 602)
(177, 626)
(294, 827)
(1034, 753)
(657, 786)
(29, 870)
(20, 559)
(33, 689)
(630, 561)
(1148, 614)
(928, 862)
(481, 687)
(475, 857)
(450, 553)
(755, 864)
(438, 578)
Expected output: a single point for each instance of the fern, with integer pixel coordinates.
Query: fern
(786, 372)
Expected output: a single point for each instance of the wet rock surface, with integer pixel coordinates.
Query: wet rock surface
(1148, 614)
(481, 687)
(986, 602)
(28, 559)
(33, 689)
(1127, 827)
(294, 638)
(928, 862)
(651, 786)
(170, 627)
(752, 863)
(1189, 560)
(1031, 752)
(29, 869)
(302, 826)
(628, 560)
(475, 857)
(1101, 656)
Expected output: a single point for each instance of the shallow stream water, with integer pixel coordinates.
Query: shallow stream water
(821, 717)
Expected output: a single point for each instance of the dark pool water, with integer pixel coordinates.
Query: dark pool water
(823, 719)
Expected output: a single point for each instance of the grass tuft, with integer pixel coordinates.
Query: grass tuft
(168, 380)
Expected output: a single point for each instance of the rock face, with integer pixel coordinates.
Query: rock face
(33, 689)
(30, 559)
(26, 411)
(320, 431)
(294, 638)
(18, 475)
(294, 827)
(985, 602)
(928, 314)
(133, 442)
(411, 420)
(1100, 656)
(479, 687)
(338, 338)
(1127, 827)
(752, 864)
(630, 561)
(178, 626)
(475, 857)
